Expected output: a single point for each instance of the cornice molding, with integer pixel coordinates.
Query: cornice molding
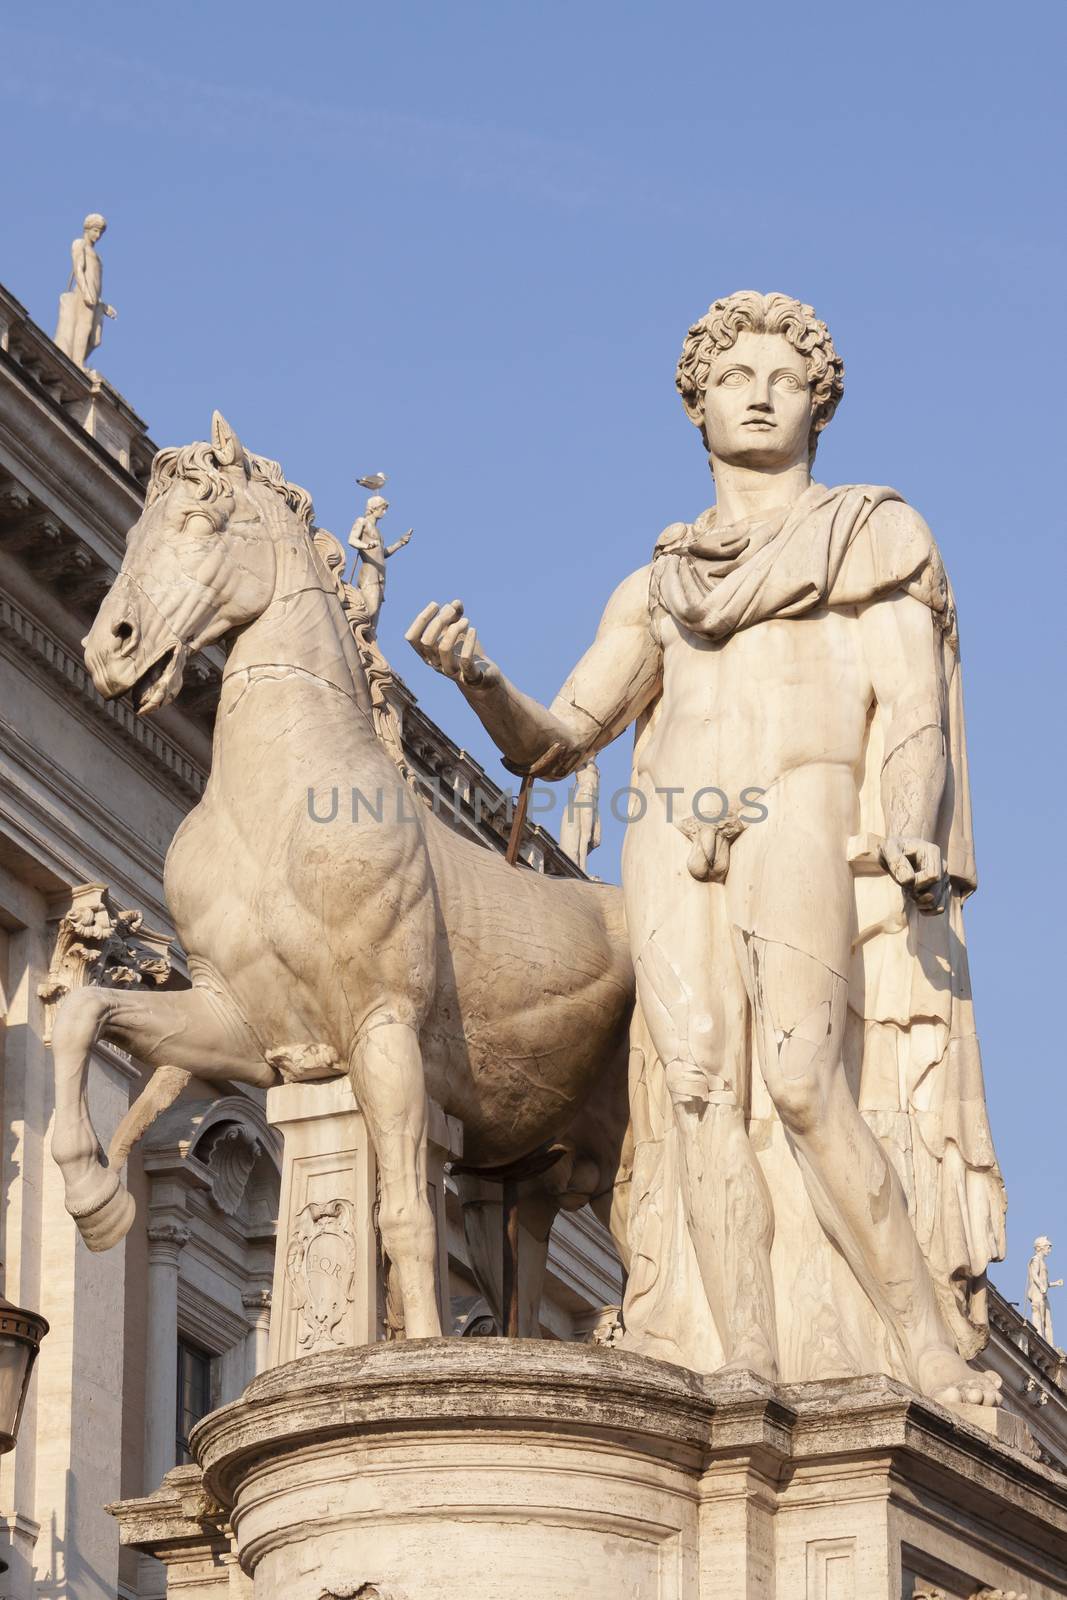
(31, 638)
(47, 837)
(217, 1327)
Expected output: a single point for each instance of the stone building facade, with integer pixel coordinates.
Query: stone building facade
(149, 1336)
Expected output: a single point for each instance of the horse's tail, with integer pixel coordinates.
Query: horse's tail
(159, 1093)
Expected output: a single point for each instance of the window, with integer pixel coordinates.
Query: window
(194, 1394)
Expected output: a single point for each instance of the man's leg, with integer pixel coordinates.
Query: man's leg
(792, 895)
(694, 1003)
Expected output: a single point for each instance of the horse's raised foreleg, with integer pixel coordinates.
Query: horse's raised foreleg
(193, 1031)
(387, 1079)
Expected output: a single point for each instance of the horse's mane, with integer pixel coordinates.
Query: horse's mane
(197, 465)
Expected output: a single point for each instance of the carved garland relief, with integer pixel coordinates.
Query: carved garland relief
(99, 943)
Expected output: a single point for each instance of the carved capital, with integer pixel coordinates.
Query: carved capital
(99, 943)
(166, 1240)
(257, 1302)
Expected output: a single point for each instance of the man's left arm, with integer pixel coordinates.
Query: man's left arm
(903, 652)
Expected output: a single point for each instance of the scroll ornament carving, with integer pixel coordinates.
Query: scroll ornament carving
(483, 1327)
(608, 1329)
(320, 1267)
(99, 943)
(1036, 1395)
(200, 1506)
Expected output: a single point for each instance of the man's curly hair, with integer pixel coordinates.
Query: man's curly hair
(751, 312)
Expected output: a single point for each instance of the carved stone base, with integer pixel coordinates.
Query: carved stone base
(330, 1283)
(448, 1470)
(180, 1526)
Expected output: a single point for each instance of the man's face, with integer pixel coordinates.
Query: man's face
(94, 232)
(757, 406)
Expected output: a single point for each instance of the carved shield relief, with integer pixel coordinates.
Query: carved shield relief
(321, 1268)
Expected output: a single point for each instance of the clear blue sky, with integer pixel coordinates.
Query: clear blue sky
(462, 242)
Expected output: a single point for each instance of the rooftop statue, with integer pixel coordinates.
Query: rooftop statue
(815, 1188)
(1038, 1285)
(366, 539)
(374, 942)
(81, 308)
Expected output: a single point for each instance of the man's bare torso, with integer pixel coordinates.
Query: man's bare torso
(738, 715)
(775, 717)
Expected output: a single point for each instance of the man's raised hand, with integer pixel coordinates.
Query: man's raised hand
(448, 642)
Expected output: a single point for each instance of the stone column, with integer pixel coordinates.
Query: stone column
(256, 1303)
(166, 1239)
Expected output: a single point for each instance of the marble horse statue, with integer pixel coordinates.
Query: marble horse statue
(379, 943)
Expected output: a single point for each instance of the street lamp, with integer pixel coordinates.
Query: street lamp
(21, 1333)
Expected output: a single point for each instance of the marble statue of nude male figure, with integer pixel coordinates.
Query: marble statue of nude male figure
(752, 653)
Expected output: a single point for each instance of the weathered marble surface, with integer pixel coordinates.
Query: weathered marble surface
(448, 1470)
(816, 1192)
(579, 830)
(375, 943)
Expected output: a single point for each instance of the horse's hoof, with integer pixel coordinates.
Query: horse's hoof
(110, 1222)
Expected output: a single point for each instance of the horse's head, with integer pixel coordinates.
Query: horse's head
(201, 560)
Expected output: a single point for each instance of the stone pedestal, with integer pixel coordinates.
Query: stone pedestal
(188, 1533)
(108, 418)
(497, 1470)
(329, 1278)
